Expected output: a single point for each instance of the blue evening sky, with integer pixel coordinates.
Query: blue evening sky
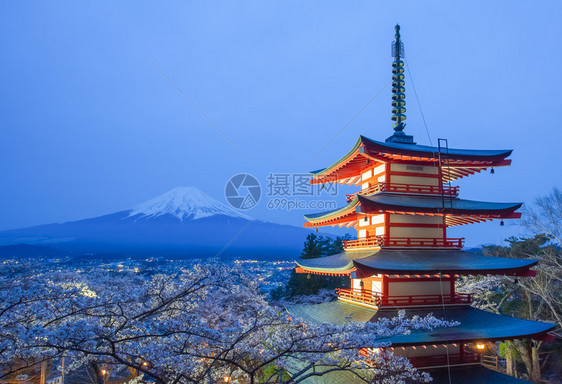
(89, 126)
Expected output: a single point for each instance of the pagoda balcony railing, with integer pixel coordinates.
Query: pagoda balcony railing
(377, 299)
(491, 362)
(359, 296)
(467, 357)
(407, 188)
(404, 242)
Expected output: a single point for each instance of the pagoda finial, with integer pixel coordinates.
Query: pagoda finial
(398, 95)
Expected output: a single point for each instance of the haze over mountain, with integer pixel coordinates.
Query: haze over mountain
(183, 221)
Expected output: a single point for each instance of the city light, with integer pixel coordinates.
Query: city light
(480, 346)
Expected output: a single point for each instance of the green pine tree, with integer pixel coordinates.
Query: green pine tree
(309, 284)
(312, 248)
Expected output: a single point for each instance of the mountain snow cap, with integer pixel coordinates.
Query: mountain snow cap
(185, 203)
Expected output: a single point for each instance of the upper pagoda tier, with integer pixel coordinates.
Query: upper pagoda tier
(368, 153)
(406, 199)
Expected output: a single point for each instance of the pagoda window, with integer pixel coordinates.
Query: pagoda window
(367, 175)
(362, 233)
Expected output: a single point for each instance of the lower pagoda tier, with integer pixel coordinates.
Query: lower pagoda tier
(448, 347)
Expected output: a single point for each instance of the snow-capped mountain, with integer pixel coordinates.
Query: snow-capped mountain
(184, 222)
(184, 203)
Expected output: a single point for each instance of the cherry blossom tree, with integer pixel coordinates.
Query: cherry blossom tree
(199, 326)
(537, 298)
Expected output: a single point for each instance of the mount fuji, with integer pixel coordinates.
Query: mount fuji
(181, 222)
(184, 203)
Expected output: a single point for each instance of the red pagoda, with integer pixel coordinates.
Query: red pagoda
(403, 258)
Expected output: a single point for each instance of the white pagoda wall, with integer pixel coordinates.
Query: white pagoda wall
(427, 175)
(406, 288)
(416, 230)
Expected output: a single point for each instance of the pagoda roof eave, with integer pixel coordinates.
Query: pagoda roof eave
(335, 264)
(341, 160)
(335, 213)
(416, 262)
(387, 202)
(433, 152)
(331, 171)
(384, 152)
(475, 324)
(334, 312)
(428, 261)
(433, 204)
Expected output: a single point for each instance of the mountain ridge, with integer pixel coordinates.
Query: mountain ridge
(183, 221)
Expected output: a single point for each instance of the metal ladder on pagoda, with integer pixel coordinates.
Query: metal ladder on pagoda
(443, 147)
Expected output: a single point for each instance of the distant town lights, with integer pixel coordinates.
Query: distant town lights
(227, 379)
(480, 346)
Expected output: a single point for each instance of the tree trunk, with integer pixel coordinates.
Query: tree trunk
(537, 375)
(530, 356)
(96, 370)
(510, 364)
(43, 377)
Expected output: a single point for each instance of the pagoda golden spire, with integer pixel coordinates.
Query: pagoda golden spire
(398, 95)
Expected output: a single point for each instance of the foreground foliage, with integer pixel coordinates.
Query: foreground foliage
(200, 326)
(536, 298)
